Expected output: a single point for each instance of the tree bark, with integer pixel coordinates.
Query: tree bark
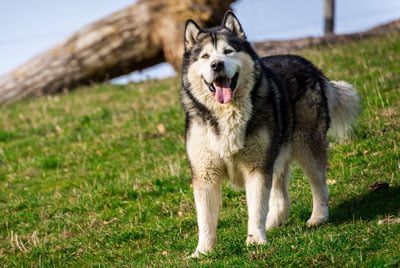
(266, 48)
(141, 35)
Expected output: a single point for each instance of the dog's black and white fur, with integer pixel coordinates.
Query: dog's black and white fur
(248, 118)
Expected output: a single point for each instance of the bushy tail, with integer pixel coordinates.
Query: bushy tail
(344, 106)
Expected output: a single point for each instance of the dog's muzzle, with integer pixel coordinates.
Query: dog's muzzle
(223, 87)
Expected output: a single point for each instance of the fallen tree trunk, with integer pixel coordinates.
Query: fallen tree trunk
(141, 35)
(290, 46)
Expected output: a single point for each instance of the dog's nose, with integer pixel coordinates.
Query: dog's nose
(217, 65)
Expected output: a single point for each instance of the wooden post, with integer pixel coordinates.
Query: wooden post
(329, 17)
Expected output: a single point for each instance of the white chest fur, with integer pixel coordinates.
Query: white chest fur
(232, 122)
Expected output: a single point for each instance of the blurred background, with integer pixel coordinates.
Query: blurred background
(31, 27)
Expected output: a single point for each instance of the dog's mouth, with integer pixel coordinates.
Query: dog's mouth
(223, 88)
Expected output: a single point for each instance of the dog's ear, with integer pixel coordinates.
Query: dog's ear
(191, 32)
(232, 23)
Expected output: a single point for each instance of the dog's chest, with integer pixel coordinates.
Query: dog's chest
(231, 135)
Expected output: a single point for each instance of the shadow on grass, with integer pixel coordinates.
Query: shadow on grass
(368, 206)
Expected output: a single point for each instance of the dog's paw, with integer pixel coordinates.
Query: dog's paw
(255, 240)
(315, 221)
(195, 255)
(270, 224)
(276, 218)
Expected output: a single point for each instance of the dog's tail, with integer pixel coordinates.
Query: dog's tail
(344, 106)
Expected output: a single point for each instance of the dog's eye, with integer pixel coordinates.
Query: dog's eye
(205, 56)
(228, 51)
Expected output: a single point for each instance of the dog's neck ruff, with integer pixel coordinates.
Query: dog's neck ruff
(232, 122)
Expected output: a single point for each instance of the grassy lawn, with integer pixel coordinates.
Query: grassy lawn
(99, 177)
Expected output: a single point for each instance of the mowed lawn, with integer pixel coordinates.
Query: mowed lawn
(99, 177)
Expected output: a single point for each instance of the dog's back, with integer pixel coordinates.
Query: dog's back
(312, 97)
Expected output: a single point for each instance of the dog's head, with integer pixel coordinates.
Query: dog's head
(219, 62)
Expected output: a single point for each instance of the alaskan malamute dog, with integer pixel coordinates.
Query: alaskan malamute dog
(248, 118)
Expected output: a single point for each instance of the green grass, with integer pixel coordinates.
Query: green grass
(99, 177)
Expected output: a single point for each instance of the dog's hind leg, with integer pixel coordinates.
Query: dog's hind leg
(257, 186)
(279, 201)
(207, 195)
(313, 160)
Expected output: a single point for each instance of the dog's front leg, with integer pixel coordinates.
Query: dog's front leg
(257, 196)
(207, 195)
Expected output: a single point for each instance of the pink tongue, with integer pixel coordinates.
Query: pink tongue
(223, 93)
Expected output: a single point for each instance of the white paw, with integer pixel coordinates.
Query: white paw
(197, 254)
(255, 240)
(315, 221)
(272, 223)
(275, 220)
(278, 213)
